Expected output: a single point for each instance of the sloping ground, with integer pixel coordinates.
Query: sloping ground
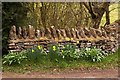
(94, 73)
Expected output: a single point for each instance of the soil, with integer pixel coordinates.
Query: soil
(96, 73)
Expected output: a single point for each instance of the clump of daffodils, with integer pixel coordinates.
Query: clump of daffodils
(39, 47)
(54, 48)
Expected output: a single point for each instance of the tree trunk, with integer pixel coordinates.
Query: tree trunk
(96, 22)
(97, 10)
(43, 14)
(107, 16)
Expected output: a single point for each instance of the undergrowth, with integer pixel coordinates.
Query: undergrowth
(56, 57)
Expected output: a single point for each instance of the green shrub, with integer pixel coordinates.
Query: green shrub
(14, 58)
(92, 54)
(70, 52)
(54, 53)
(36, 53)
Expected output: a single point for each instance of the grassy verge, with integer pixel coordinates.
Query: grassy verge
(45, 66)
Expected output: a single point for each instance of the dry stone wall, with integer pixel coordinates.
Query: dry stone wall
(105, 38)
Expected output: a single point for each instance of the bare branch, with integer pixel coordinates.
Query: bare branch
(114, 9)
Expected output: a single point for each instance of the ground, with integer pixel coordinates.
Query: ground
(79, 73)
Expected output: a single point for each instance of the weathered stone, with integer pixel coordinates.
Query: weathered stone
(73, 33)
(31, 32)
(20, 33)
(38, 34)
(87, 37)
(25, 33)
(82, 33)
(53, 32)
(63, 33)
(68, 33)
(12, 34)
(88, 44)
(93, 32)
(98, 32)
(42, 32)
(10, 44)
(104, 34)
(48, 33)
(82, 45)
(77, 34)
(60, 37)
(87, 32)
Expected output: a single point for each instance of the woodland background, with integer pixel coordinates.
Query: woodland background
(60, 15)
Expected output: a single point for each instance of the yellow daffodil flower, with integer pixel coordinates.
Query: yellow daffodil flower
(63, 46)
(33, 51)
(59, 45)
(77, 42)
(39, 47)
(41, 38)
(62, 51)
(71, 39)
(67, 39)
(54, 48)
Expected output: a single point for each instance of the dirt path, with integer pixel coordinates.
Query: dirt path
(108, 73)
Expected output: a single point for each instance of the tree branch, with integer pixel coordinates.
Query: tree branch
(114, 9)
(89, 8)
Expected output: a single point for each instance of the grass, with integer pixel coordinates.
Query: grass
(45, 66)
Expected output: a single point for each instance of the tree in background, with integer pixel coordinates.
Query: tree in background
(12, 14)
(60, 15)
(96, 11)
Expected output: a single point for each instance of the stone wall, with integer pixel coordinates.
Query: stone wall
(104, 38)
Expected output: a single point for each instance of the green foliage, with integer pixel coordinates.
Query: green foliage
(14, 58)
(92, 54)
(36, 54)
(55, 53)
(70, 52)
(110, 62)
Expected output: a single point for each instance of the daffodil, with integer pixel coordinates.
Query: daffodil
(77, 42)
(39, 47)
(63, 46)
(41, 38)
(33, 51)
(62, 51)
(71, 39)
(59, 45)
(67, 39)
(54, 48)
